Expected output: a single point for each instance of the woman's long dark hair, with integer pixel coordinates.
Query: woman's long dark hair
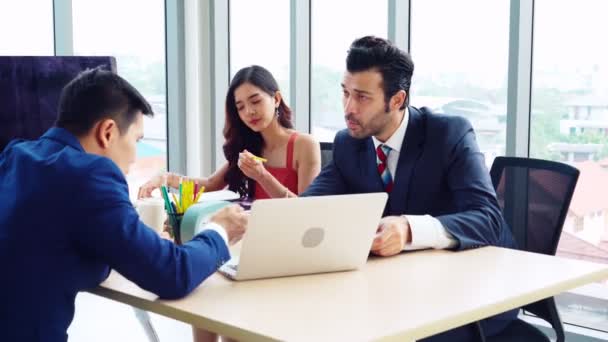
(238, 136)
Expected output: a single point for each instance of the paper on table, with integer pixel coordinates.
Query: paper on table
(221, 195)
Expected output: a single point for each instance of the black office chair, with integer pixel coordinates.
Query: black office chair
(29, 91)
(326, 153)
(534, 196)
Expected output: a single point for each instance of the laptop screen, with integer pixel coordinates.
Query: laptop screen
(30, 89)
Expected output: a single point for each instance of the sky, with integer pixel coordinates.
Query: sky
(469, 36)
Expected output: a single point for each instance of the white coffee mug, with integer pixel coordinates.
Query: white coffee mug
(152, 212)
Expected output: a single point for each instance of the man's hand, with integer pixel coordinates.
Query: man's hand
(234, 220)
(167, 231)
(393, 233)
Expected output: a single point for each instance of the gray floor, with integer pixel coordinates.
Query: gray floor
(101, 320)
(573, 333)
(570, 337)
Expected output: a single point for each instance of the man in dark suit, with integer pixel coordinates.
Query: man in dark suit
(440, 192)
(66, 217)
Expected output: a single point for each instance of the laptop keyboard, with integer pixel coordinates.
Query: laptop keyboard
(230, 268)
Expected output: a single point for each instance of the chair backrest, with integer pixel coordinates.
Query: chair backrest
(534, 196)
(326, 153)
(30, 89)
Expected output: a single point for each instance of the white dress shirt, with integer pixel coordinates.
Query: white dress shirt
(208, 225)
(427, 231)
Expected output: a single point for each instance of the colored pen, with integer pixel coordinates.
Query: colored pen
(165, 194)
(199, 193)
(177, 204)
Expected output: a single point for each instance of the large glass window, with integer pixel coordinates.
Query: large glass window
(335, 25)
(570, 124)
(461, 64)
(260, 34)
(26, 28)
(133, 32)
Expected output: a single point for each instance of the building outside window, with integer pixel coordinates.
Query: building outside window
(568, 124)
(461, 65)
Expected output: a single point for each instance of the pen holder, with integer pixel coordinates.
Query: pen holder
(196, 216)
(175, 223)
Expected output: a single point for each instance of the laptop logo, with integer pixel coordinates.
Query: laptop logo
(313, 237)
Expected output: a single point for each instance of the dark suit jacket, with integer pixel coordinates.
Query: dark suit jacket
(440, 172)
(65, 220)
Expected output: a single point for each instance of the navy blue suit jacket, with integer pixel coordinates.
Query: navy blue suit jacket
(440, 172)
(65, 221)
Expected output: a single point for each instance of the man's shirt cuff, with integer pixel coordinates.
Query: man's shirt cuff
(215, 227)
(428, 232)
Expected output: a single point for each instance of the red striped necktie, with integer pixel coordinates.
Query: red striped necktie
(381, 158)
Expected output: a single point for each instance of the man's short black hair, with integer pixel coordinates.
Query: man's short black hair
(98, 94)
(395, 65)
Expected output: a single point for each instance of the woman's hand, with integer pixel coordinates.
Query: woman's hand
(251, 167)
(154, 183)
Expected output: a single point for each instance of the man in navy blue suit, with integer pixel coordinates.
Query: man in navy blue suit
(440, 192)
(66, 217)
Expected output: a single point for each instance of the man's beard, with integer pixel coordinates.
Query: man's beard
(365, 131)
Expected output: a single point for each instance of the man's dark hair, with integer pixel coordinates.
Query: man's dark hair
(395, 65)
(98, 94)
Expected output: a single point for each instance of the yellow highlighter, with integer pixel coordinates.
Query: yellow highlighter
(177, 204)
(260, 159)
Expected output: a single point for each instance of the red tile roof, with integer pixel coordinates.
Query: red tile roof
(573, 247)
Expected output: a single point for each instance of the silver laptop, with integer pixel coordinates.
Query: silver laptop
(307, 235)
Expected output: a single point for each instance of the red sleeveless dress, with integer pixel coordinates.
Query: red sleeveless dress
(285, 175)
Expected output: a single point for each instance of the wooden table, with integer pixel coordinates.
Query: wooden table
(402, 298)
